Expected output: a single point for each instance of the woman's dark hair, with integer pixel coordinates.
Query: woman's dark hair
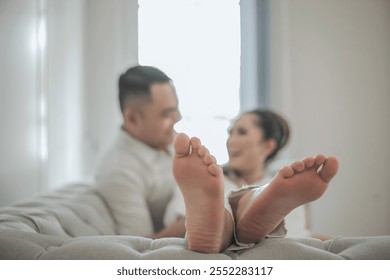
(274, 126)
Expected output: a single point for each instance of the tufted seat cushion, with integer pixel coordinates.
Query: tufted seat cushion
(75, 223)
(76, 210)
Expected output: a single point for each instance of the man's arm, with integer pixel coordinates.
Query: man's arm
(125, 195)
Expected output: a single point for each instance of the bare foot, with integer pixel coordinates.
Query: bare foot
(261, 210)
(201, 182)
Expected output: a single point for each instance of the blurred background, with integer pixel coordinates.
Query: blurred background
(324, 65)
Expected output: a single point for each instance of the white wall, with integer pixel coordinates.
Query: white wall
(20, 163)
(64, 78)
(74, 71)
(330, 76)
(111, 47)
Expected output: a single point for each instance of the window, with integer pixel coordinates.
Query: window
(197, 43)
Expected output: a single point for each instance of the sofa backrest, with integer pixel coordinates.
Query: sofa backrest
(75, 210)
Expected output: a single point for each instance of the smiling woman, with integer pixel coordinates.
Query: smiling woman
(255, 138)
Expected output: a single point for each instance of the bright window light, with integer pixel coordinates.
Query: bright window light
(42, 106)
(197, 43)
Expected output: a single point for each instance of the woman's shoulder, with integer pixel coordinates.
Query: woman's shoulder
(230, 185)
(231, 178)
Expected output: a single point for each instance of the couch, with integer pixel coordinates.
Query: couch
(75, 223)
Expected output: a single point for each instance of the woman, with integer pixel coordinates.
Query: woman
(255, 139)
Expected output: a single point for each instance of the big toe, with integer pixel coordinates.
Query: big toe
(182, 145)
(329, 169)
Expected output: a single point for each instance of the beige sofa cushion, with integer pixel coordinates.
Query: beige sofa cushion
(76, 210)
(74, 223)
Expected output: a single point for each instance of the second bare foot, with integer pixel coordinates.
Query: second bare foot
(260, 210)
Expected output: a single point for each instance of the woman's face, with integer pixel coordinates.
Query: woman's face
(246, 146)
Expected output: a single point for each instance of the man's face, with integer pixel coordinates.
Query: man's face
(158, 117)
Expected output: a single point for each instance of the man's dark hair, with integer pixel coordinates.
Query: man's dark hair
(136, 82)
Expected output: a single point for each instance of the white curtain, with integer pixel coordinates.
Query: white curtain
(59, 65)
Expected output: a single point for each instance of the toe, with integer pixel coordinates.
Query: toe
(195, 144)
(209, 159)
(298, 166)
(286, 172)
(203, 151)
(319, 160)
(215, 170)
(182, 145)
(309, 162)
(329, 169)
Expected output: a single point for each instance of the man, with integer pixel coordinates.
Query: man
(135, 177)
